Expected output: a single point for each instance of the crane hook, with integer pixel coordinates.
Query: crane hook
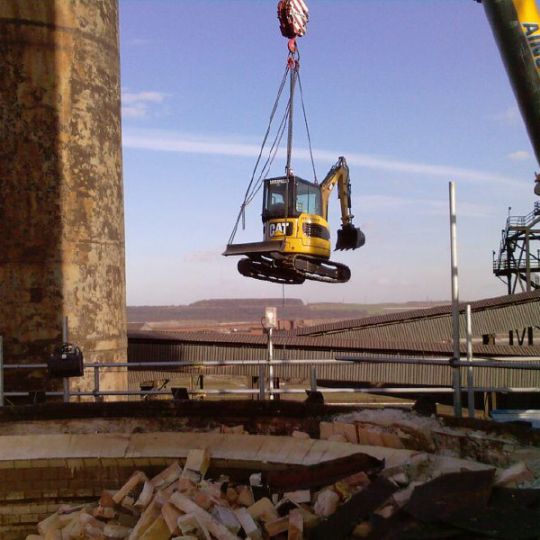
(292, 45)
(293, 17)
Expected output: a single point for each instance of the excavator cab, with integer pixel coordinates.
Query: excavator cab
(290, 197)
(292, 213)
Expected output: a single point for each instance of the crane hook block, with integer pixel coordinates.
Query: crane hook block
(293, 17)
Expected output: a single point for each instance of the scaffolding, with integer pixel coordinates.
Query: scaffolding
(518, 262)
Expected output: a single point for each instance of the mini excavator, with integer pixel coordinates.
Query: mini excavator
(296, 243)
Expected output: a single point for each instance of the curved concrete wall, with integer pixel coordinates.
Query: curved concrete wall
(61, 202)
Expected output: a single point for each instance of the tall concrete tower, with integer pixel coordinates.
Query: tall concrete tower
(61, 196)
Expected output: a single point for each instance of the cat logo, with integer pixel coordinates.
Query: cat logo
(279, 229)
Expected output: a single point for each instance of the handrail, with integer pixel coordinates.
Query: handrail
(524, 221)
(509, 264)
(523, 363)
(500, 262)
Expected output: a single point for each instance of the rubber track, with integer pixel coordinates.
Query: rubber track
(294, 270)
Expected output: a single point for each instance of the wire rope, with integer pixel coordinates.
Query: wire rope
(307, 127)
(254, 186)
(268, 129)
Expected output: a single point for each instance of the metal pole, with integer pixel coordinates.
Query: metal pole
(96, 383)
(528, 259)
(456, 376)
(270, 366)
(313, 379)
(65, 337)
(534, 364)
(262, 384)
(470, 376)
(65, 330)
(1, 371)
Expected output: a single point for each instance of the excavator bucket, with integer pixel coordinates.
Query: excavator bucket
(349, 237)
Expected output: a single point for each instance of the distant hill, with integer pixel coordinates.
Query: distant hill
(252, 309)
(247, 302)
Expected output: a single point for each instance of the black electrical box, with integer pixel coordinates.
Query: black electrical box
(66, 361)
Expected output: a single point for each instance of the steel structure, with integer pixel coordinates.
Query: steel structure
(518, 262)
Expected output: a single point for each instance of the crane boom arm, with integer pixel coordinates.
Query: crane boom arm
(516, 28)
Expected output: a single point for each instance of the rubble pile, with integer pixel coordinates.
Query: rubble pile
(358, 496)
(393, 428)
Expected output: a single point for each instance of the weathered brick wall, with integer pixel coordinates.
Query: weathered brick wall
(31, 490)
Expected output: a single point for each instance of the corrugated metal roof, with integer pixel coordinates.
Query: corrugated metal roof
(489, 307)
(324, 343)
(418, 333)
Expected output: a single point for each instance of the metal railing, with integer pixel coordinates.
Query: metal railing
(504, 263)
(514, 221)
(265, 389)
(524, 221)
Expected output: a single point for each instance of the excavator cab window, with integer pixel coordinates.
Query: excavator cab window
(276, 198)
(290, 197)
(308, 198)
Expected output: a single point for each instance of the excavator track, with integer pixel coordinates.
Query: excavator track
(266, 269)
(321, 270)
(293, 270)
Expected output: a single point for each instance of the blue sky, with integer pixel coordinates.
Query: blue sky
(412, 92)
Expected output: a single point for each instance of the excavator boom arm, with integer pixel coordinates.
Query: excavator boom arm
(338, 174)
(348, 236)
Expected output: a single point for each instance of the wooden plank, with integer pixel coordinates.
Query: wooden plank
(321, 474)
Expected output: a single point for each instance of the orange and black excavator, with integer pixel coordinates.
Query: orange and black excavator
(296, 243)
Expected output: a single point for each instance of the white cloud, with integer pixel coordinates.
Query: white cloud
(510, 116)
(185, 143)
(382, 203)
(519, 155)
(138, 104)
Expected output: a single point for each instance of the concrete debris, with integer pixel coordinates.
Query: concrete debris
(295, 526)
(394, 428)
(518, 475)
(451, 494)
(326, 503)
(336, 499)
(197, 461)
(300, 435)
(249, 525)
(235, 430)
(168, 476)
